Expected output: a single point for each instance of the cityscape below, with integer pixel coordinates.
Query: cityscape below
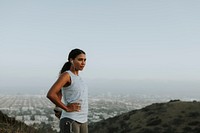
(37, 109)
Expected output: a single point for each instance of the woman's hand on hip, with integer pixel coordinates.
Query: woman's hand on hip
(73, 107)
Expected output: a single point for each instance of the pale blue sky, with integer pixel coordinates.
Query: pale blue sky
(143, 39)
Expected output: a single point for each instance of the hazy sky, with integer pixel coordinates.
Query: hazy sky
(131, 39)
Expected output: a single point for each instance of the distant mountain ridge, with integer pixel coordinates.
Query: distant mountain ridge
(173, 117)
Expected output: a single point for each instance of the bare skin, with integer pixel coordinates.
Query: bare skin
(54, 93)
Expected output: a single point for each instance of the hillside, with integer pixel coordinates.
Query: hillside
(172, 117)
(10, 125)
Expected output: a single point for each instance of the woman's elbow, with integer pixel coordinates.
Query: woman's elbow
(49, 95)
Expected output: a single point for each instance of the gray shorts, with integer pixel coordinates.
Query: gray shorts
(68, 125)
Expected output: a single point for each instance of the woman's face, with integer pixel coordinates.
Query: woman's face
(79, 62)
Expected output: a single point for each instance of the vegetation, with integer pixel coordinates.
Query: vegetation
(10, 125)
(173, 117)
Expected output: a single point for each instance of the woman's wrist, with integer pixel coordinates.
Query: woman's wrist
(67, 109)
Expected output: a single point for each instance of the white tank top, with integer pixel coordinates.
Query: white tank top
(76, 92)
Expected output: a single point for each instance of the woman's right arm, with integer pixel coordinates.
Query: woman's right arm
(54, 93)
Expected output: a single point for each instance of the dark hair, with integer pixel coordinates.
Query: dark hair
(72, 55)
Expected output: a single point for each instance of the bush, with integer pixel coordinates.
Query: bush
(154, 121)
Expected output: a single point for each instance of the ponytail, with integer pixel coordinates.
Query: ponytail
(65, 67)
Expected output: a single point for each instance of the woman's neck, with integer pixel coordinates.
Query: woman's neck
(74, 72)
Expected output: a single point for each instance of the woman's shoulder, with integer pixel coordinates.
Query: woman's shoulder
(64, 75)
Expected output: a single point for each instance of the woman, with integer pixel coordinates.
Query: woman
(74, 93)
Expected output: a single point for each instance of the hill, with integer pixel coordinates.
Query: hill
(10, 125)
(171, 117)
